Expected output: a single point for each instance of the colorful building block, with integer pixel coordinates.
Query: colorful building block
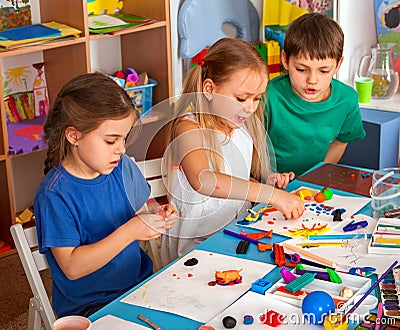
(260, 286)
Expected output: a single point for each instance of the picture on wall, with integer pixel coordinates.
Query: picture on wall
(14, 13)
(387, 16)
(26, 103)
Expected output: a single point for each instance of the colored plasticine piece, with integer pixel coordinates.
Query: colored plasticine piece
(337, 215)
(260, 286)
(260, 235)
(355, 225)
(327, 192)
(248, 319)
(229, 322)
(393, 213)
(228, 277)
(279, 255)
(305, 194)
(255, 216)
(319, 197)
(299, 295)
(242, 247)
(330, 275)
(191, 262)
(287, 275)
(262, 247)
(300, 282)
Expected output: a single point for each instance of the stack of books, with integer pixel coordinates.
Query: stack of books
(108, 24)
(36, 34)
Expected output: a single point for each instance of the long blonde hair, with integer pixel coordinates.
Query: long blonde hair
(223, 58)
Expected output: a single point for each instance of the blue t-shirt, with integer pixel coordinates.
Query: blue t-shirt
(71, 212)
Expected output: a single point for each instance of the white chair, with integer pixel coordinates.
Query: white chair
(151, 170)
(41, 314)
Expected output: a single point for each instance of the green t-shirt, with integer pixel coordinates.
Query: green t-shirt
(301, 131)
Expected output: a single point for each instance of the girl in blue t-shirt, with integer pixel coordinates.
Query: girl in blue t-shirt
(90, 208)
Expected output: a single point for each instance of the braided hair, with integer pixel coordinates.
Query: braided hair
(84, 103)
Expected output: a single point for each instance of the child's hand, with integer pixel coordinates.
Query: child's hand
(169, 214)
(148, 225)
(280, 180)
(289, 204)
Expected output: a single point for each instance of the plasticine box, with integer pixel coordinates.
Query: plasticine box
(358, 285)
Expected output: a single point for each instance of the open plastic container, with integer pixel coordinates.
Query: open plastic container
(357, 284)
(142, 97)
(385, 191)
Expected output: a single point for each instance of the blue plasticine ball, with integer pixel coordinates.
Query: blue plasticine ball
(316, 305)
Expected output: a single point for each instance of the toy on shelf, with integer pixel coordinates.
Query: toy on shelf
(4, 246)
(273, 58)
(139, 88)
(25, 216)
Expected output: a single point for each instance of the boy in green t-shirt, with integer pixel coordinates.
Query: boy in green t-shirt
(310, 117)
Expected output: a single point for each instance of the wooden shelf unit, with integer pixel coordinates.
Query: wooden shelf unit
(146, 49)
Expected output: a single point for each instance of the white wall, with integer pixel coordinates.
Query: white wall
(357, 19)
(355, 16)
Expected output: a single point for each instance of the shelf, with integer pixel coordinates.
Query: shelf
(392, 104)
(22, 154)
(129, 30)
(43, 47)
(145, 48)
(7, 253)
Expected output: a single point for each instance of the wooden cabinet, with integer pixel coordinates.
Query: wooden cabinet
(145, 48)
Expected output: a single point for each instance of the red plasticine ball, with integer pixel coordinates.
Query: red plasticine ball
(319, 197)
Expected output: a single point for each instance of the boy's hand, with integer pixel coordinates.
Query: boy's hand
(280, 180)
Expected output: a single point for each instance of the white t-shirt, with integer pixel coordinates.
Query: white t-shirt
(201, 215)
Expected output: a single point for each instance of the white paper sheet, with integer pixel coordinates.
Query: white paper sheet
(318, 214)
(108, 322)
(255, 304)
(184, 290)
(104, 21)
(355, 254)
